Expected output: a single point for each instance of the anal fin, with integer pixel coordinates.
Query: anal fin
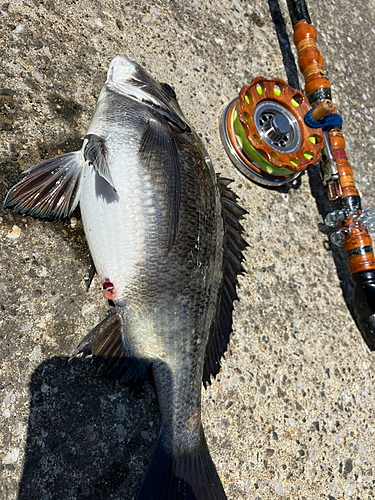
(112, 356)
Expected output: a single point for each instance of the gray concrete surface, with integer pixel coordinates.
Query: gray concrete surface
(291, 414)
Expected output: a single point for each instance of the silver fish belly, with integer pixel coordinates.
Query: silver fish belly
(165, 238)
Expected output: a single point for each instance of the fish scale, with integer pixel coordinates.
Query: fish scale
(165, 238)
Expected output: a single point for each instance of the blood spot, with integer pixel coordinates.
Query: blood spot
(109, 289)
(194, 419)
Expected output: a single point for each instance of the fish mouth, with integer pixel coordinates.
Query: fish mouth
(131, 80)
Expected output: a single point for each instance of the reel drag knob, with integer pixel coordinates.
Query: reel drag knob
(280, 126)
(265, 135)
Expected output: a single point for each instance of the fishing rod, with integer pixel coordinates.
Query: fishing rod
(273, 132)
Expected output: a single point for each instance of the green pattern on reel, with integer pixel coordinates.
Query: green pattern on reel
(260, 162)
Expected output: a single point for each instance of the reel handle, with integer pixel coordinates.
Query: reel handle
(323, 109)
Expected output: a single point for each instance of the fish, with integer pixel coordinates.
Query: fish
(166, 240)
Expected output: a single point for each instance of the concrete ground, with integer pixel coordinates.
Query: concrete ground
(292, 412)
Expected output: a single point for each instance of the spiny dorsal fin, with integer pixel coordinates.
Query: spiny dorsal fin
(234, 244)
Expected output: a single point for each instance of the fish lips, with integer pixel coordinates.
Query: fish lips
(129, 79)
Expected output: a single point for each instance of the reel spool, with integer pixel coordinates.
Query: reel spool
(265, 135)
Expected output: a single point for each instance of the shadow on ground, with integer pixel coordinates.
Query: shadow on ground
(87, 437)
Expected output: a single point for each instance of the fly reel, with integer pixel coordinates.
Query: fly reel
(265, 134)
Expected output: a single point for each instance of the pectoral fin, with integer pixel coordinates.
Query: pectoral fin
(49, 189)
(96, 154)
(159, 156)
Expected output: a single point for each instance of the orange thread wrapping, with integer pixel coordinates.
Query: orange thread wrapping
(359, 239)
(305, 44)
(313, 70)
(343, 166)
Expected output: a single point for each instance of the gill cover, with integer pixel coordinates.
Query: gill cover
(129, 79)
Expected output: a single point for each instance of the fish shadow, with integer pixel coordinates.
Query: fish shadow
(324, 206)
(88, 437)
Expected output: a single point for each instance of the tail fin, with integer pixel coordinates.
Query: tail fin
(189, 475)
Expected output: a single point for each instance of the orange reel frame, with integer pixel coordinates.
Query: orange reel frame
(276, 90)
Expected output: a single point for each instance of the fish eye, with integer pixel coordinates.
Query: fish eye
(169, 90)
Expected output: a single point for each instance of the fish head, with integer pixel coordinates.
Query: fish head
(131, 80)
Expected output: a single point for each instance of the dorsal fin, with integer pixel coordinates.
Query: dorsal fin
(234, 244)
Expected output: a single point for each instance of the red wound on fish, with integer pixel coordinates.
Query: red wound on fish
(109, 289)
(194, 419)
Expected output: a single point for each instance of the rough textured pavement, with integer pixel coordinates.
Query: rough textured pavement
(291, 414)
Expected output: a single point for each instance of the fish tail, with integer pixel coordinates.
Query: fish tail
(186, 475)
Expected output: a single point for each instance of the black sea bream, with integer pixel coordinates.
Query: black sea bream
(165, 239)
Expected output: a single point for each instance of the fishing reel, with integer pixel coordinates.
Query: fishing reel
(265, 134)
